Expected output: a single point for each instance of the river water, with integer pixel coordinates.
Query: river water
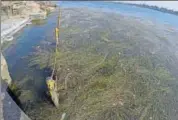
(25, 43)
(144, 13)
(31, 36)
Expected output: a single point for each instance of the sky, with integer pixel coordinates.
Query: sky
(165, 4)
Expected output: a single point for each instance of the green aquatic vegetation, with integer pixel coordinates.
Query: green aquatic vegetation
(38, 22)
(112, 78)
(48, 11)
(133, 83)
(162, 74)
(15, 89)
(104, 37)
(133, 75)
(6, 44)
(71, 30)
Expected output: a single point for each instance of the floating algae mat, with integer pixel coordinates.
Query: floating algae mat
(109, 67)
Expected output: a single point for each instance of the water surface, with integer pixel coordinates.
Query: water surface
(145, 13)
(32, 35)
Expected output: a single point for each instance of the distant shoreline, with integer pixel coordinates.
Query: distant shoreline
(153, 7)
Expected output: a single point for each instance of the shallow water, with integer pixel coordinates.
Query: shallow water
(25, 42)
(33, 35)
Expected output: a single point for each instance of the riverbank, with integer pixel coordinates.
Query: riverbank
(15, 15)
(8, 108)
(170, 5)
(12, 26)
(153, 7)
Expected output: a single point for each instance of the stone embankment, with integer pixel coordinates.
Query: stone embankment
(15, 15)
(10, 27)
(9, 110)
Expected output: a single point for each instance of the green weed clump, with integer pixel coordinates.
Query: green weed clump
(110, 87)
(15, 89)
(38, 22)
(107, 79)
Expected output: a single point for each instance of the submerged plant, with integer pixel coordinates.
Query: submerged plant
(111, 75)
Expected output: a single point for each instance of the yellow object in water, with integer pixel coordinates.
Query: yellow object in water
(51, 84)
(57, 32)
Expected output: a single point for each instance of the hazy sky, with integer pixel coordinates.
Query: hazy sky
(166, 4)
